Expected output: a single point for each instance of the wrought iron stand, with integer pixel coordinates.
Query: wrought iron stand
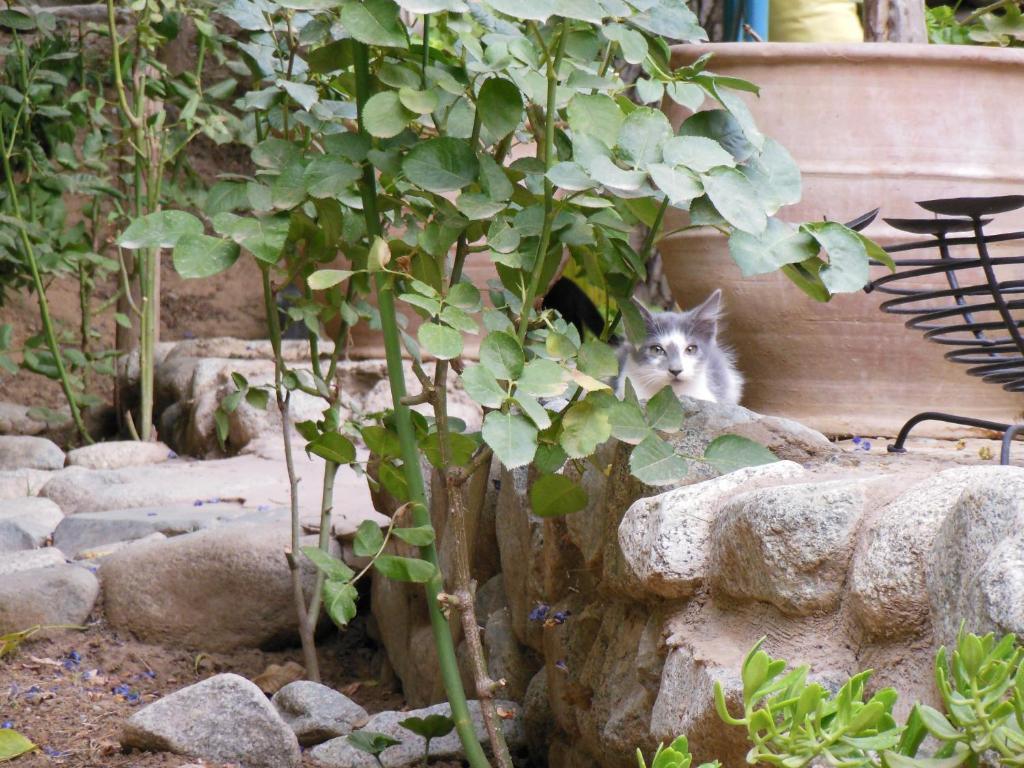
(975, 315)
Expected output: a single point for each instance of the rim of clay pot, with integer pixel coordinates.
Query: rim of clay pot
(842, 53)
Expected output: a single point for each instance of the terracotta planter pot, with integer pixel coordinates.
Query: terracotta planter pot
(870, 125)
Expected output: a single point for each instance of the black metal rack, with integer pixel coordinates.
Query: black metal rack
(975, 314)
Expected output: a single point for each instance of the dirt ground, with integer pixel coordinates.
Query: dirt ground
(70, 692)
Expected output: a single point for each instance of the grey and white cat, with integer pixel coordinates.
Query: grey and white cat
(681, 350)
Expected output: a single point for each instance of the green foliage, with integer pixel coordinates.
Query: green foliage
(368, 741)
(792, 722)
(676, 755)
(1002, 26)
(429, 728)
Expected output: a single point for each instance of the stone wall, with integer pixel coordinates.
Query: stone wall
(613, 624)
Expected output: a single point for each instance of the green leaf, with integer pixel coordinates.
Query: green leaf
(304, 94)
(478, 207)
(162, 229)
(441, 341)
(257, 398)
(384, 116)
(441, 165)
(537, 413)
(333, 447)
(419, 536)
(597, 115)
(598, 359)
(405, 568)
(543, 378)
(687, 95)
(778, 245)
(571, 176)
(731, 452)
(627, 422)
(333, 568)
(608, 174)
(523, 10)
(775, 176)
(340, 601)
(368, 539)
(122, 319)
(501, 106)
(464, 296)
(847, 269)
(556, 496)
(501, 354)
(329, 177)
(203, 256)
(679, 185)
(323, 279)
(664, 412)
(697, 153)
(895, 760)
(379, 256)
(371, 742)
(459, 319)
(642, 135)
(736, 199)
(23, 23)
(937, 724)
(12, 743)
(632, 44)
(462, 449)
(719, 125)
(419, 102)
(374, 22)
(584, 427)
(655, 463)
(670, 19)
(512, 438)
(429, 727)
(481, 385)
(262, 237)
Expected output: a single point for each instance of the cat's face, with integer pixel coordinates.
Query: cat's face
(677, 344)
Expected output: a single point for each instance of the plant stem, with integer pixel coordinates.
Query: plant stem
(37, 282)
(990, 8)
(546, 151)
(305, 634)
(409, 450)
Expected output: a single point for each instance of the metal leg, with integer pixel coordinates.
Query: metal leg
(1011, 432)
(949, 418)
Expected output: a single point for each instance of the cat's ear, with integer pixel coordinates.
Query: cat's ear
(707, 314)
(645, 314)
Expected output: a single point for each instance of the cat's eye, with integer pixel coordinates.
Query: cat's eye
(691, 349)
(657, 349)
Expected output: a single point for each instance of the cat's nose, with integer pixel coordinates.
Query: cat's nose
(675, 372)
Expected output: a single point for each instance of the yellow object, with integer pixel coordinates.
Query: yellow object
(814, 21)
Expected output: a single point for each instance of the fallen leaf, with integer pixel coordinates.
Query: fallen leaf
(277, 676)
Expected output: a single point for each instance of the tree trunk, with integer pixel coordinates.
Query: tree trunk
(894, 21)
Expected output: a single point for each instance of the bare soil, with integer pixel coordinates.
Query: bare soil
(70, 692)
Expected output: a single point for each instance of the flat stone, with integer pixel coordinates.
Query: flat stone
(224, 718)
(789, 545)
(17, 483)
(54, 594)
(339, 753)
(218, 589)
(888, 595)
(976, 566)
(87, 530)
(15, 419)
(27, 523)
(316, 713)
(100, 553)
(664, 538)
(22, 452)
(117, 454)
(27, 560)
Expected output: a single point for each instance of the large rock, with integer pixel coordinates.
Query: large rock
(225, 718)
(17, 483)
(316, 713)
(27, 523)
(41, 589)
(664, 538)
(976, 571)
(506, 659)
(22, 452)
(17, 420)
(87, 530)
(789, 545)
(217, 590)
(888, 596)
(117, 454)
(339, 753)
